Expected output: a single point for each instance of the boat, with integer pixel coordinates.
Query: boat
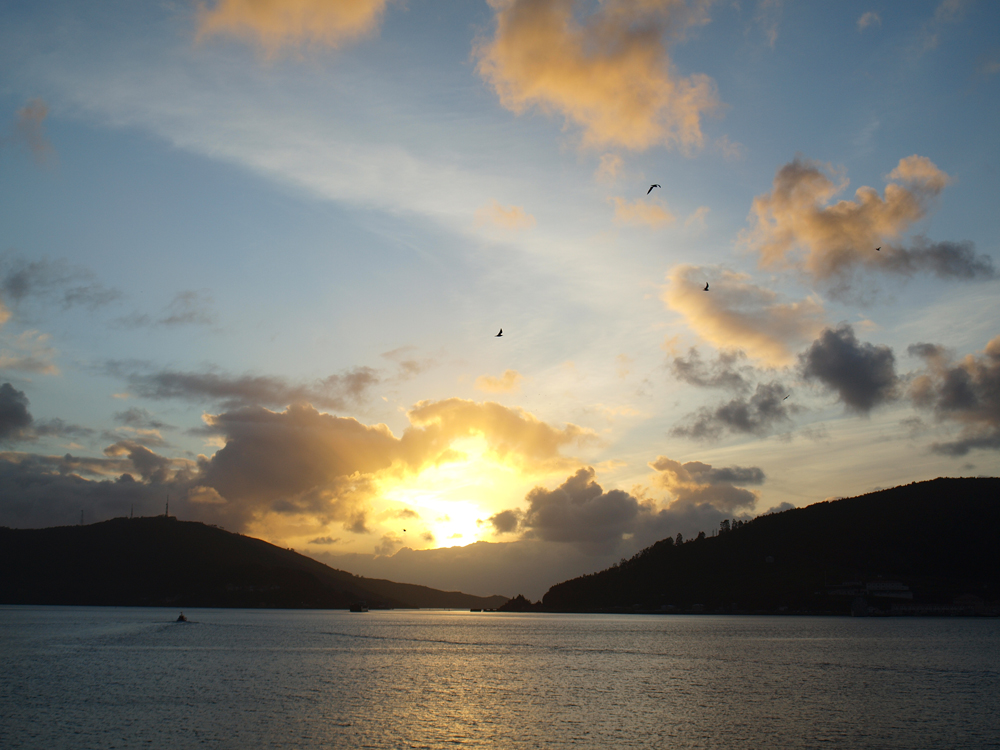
(181, 618)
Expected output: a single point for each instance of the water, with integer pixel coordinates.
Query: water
(88, 677)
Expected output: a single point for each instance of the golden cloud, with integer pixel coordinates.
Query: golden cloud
(796, 226)
(738, 314)
(277, 23)
(509, 381)
(609, 73)
(695, 483)
(610, 167)
(511, 217)
(654, 214)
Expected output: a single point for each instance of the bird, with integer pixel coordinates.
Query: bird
(651, 189)
(404, 529)
(781, 399)
(878, 248)
(499, 334)
(706, 287)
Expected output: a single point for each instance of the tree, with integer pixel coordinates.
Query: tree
(679, 539)
(724, 526)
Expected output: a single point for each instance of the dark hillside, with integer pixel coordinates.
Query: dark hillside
(915, 547)
(165, 562)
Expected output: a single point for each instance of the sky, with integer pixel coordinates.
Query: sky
(254, 256)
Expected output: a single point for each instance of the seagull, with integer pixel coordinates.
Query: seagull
(706, 287)
(651, 189)
(499, 334)
(781, 399)
(877, 249)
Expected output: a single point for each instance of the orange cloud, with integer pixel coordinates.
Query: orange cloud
(509, 381)
(738, 314)
(511, 217)
(610, 167)
(651, 213)
(28, 130)
(277, 23)
(796, 226)
(608, 73)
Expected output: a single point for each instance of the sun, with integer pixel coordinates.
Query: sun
(453, 500)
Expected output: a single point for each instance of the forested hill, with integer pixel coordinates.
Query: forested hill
(924, 548)
(161, 561)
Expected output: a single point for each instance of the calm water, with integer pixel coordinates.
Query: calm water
(80, 677)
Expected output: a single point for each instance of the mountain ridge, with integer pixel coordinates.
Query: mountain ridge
(162, 561)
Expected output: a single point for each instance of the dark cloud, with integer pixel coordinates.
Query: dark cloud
(151, 466)
(756, 415)
(966, 393)
(505, 522)
(728, 371)
(863, 375)
(324, 540)
(954, 260)
(14, 415)
(580, 511)
(69, 286)
(140, 419)
(333, 392)
(59, 428)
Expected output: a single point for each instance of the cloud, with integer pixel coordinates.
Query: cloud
(511, 217)
(580, 511)
(324, 540)
(947, 12)
(69, 286)
(796, 226)
(14, 415)
(728, 371)
(697, 218)
(186, 308)
(768, 18)
(695, 484)
(140, 419)
(609, 169)
(29, 133)
(654, 213)
(597, 521)
(508, 382)
(870, 18)
(333, 392)
(607, 72)
(31, 353)
(277, 23)
(505, 522)
(738, 314)
(753, 415)
(512, 434)
(863, 375)
(966, 392)
(298, 463)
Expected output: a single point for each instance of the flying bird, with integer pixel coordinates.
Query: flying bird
(499, 334)
(877, 249)
(781, 399)
(706, 287)
(651, 189)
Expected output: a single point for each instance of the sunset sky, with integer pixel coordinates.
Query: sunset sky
(254, 255)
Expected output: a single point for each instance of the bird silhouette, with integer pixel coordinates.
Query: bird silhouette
(786, 396)
(499, 334)
(877, 249)
(706, 287)
(651, 189)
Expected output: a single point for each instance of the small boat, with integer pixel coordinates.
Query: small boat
(181, 618)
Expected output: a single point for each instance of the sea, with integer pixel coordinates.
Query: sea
(106, 677)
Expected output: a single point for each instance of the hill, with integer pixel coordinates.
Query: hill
(923, 548)
(161, 561)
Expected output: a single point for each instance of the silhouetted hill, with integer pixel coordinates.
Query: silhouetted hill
(937, 540)
(165, 562)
